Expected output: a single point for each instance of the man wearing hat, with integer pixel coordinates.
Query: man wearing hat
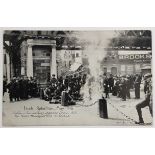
(137, 86)
(53, 80)
(11, 88)
(147, 101)
(128, 86)
(146, 83)
(123, 88)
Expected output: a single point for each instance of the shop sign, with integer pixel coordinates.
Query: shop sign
(135, 57)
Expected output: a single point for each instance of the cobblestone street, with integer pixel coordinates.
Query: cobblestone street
(39, 112)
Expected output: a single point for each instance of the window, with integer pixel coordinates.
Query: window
(39, 32)
(73, 56)
(77, 54)
(47, 54)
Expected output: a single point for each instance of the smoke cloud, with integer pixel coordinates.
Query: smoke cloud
(94, 44)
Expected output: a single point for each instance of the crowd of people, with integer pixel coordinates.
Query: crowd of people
(120, 86)
(21, 88)
(71, 84)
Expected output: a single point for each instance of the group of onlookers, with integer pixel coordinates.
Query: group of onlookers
(120, 86)
(21, 88)
(71, 84)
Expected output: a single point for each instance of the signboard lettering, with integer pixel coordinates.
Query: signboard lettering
(135, 57)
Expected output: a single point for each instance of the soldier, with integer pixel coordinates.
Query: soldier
(74, 79)
(123, 88)
(118, 84)
(4, 85)
(66, 82)
(52, 92)
(106, 87)
(137, 86)
(47, 94)
(147, 101)
(111, 83)
(11, 87)
(53, 80)
(21, 92)
(79, 79)
(25, 87)
(128, 86)
(78, 87)
(17, 89)
(146, 84)
(60, 79)
(115, 88)
(71, 83)
(68, 97)
(59, 89)
(84, 79)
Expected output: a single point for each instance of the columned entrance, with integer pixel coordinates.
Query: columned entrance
(40, 56)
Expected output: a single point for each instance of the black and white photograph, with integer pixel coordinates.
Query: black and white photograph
(77, 77)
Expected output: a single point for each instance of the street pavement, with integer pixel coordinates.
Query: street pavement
(34, 111)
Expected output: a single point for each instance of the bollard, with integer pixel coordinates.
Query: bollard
(103, 108)
(64, 101)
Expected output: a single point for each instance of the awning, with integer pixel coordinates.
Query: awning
(135, 52)
(146, 67)
(75, 66)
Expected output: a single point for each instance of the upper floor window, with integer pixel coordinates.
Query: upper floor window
(77, 54)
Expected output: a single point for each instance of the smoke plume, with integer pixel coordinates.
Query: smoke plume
(94, 44)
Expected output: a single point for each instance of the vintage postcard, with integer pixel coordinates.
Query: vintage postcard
(77, 78)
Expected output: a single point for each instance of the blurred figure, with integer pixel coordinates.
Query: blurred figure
(11, 88)
(123, 88)
(106, 87)
(137, 86)
(16, 90)
(128, 86)
(111, 83)
(147, 101)
(25, 85)
(53, 80)
(21, 92)
(66, 82)
(4, 86)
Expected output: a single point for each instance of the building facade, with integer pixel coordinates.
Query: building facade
(43, 53)
(38, 58)
(123, 62)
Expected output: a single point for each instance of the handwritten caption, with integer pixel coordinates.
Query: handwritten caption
(44, 112)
